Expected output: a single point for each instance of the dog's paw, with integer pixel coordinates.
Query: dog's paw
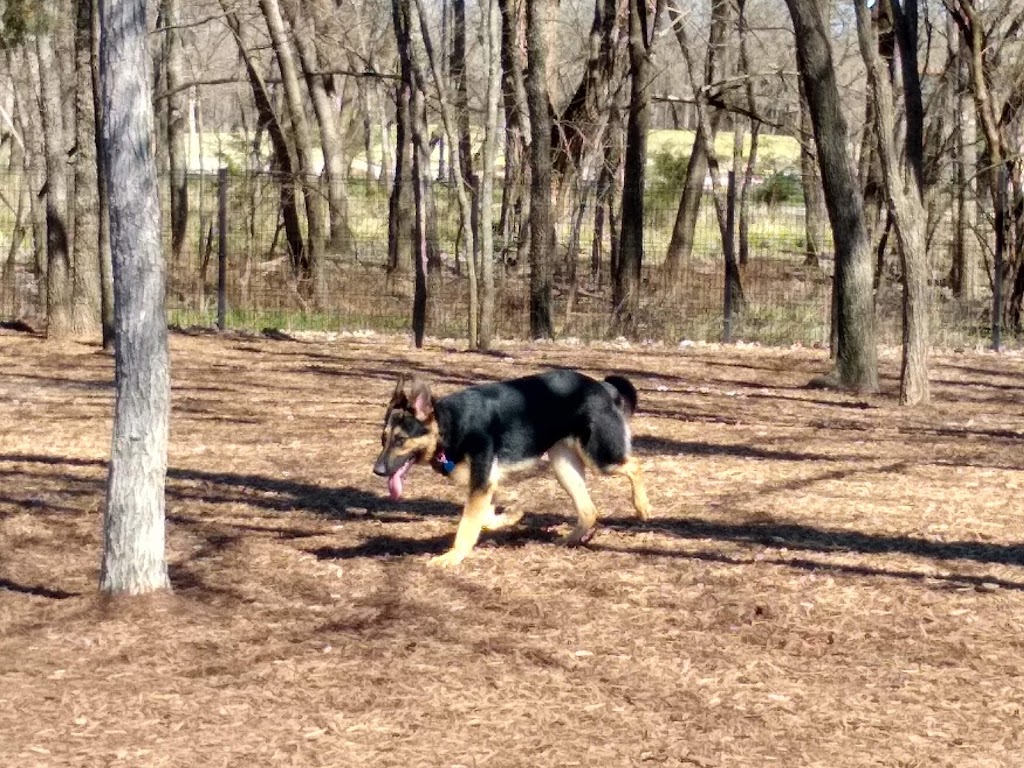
(449, 559)
(644, 511)
(578, 537)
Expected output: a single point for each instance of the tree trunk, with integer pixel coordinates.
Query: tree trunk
(59, 274)
(401, 216)
(86, 283)
(965, 271)
(492, 17)
(331, 144)
(627, 279)
(464, 191)
(305, 174)
(102, 186)
(815, 215)
(856, 354)
(680, 245)
(176, 122)
(517, 125)
(283, 154)
(541, 228)
(904, 196)
(133, 520)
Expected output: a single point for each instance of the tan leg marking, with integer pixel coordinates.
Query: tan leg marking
(568, 468)
(495, 521)
(477, 511)
(632, 469)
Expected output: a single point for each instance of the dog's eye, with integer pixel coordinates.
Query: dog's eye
(399, 440)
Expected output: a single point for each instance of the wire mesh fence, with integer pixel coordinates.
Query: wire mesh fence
(786, 295)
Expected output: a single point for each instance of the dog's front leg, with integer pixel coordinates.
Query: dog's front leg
(478, 511)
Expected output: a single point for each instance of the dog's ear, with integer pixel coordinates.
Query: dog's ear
(400, 397)
(421, 400)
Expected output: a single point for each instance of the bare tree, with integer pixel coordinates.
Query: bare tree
(681, 243)
(59, 290)
(303, 25)
(627, 278)
(492, 34)
(304, 171)
(903, 187)
(541, 226)
(133, 522)
(856, 354)
(174, 63)
(86, 284)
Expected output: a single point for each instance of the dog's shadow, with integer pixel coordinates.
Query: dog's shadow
(386, 546)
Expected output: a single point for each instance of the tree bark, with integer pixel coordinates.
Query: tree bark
(59, 274)
(492, 23)
(627, 278)
(905, 198)
(102, 194)
(680, 246)
(541, 228)
(465, 192)
(86, 282)
(304, 172)
(283, 153)
(331, 144)
(133, 521)
(856, 354)
(174, 65)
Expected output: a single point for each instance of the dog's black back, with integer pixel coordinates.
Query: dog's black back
(518, 420)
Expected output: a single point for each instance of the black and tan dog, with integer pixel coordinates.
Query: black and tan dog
(484, 433)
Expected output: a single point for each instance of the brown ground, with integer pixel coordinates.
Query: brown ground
(829, 580)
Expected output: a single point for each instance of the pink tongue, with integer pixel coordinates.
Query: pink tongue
(396, 480)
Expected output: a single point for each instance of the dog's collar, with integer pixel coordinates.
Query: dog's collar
(442, 464)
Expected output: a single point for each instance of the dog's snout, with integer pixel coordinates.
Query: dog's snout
(380, 468)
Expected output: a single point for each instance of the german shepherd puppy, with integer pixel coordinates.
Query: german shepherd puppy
(484, 433)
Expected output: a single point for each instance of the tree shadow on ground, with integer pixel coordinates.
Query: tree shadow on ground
(6, 585)
(348, 503)
(649, 445)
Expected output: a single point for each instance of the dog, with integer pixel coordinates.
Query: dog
(483, 433)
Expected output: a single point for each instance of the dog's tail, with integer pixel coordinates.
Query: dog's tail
(623, 393)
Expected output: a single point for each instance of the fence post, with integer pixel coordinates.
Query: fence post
(222, 246)
(997, 261)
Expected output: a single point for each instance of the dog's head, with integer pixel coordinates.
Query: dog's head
(410, 433)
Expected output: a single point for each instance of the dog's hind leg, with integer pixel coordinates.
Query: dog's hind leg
(569, 469)
(631, 469)
(477, 512)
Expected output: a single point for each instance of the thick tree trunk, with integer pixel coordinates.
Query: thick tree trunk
(905, 199)
(856, 354)
(133, 521)
(86, 283)
(59, 273)
(541, 228)
(304, 171)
